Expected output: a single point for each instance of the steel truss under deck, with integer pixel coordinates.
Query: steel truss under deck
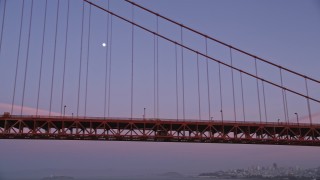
(158, 130)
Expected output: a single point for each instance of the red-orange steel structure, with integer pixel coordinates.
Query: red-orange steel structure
(159, 130)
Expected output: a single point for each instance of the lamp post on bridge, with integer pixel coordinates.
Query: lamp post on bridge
(144, 113)
(297, 115)
(64, 110)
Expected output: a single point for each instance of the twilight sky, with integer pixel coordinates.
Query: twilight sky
(284, 32)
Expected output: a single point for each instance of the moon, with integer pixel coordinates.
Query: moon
(104, 44)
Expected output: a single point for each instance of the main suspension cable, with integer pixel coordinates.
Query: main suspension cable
(202, 54)
(218, 41)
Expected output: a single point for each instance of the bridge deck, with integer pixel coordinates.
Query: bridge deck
(160, 130)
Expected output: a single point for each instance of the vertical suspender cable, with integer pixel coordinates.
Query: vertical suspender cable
(220, 87)
(106, 70)
(154, 78)
(183, 105)
(54, 55)
(80, 64)
(308, 101)
(242, 96)
(227, 65)
(18, 57)
(233, 95)
(258, 91)
(286, 101)
(2, 23)
(177, 95)
(264, 102)
(41, 60)
(283, 97)
(27, 58)
(199, 97)
(110, 64)
(88, 58)
(157, 66)
(208, 80)
(65, 57)
(132, 58)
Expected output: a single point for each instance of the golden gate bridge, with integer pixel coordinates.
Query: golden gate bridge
(204, 92)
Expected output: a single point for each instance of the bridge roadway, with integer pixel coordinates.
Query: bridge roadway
(157, 130)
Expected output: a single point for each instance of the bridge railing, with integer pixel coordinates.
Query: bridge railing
(39, 117)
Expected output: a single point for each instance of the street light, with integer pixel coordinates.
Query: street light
(144, 113)
(278, 121)
(211, 118)
(297, 117)
(64, 110)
